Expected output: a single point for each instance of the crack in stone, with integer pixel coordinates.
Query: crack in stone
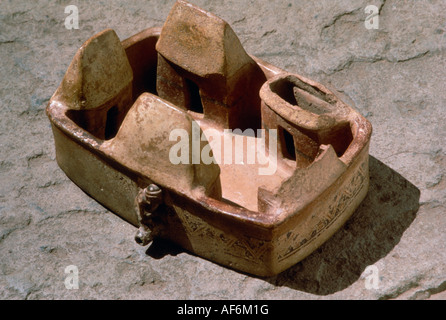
(431, 154)
(337, 17)
(381, 7)
(7, 41)
(352, 60)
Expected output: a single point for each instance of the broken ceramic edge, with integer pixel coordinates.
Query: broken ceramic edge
(290, 228)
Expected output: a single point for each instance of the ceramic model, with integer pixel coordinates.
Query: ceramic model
(123, 108)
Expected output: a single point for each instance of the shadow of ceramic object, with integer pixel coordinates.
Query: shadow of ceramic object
(160, 248)
(370, 234)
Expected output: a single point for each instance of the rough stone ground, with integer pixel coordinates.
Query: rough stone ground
(395, 76)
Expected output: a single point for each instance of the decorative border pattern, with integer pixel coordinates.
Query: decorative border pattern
(339, 203)
(204, 237)
(212, 242)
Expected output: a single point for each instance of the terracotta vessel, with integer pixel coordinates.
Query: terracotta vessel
(119, 103)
